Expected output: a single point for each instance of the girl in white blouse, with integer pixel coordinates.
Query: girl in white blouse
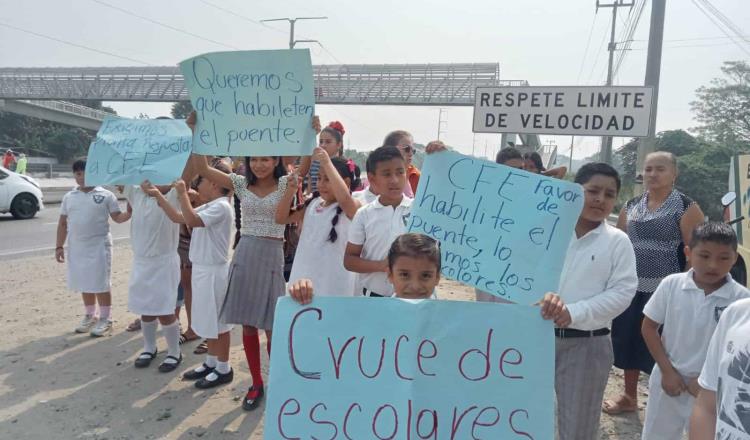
(325, 226)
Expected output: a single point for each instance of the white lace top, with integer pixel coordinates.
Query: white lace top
(258, 213)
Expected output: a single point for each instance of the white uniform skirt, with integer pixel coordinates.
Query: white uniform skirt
(209, 284)
(153, 285)
(90, 266)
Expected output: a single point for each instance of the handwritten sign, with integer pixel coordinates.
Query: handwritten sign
(502, 230)
(129, 151)
(437, 370)
(583, 111)
(252, 103)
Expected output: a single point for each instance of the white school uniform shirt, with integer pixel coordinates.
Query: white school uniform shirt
(689, 317)
(598, 279)
(726, 371)
(209, 245)
(317, 258)
(88, 215)
(375, 227)
(152, 233)
(365, 196)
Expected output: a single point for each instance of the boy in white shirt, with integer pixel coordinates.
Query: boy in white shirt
(377, 224)
(722, 408)
(598, 282)
(209, 253)
(687, 306)
(84, 222)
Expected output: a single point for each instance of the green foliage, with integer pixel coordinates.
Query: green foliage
(723, 108)
(44, 137)
(181, 110)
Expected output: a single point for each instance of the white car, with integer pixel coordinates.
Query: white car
(19, 194)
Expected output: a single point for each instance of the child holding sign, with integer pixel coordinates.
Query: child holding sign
(597, 283)
(211, 225)
(330, 139)
(84, 222)
(377, 224)
(152, 288)
(256, 275)
(327, 217)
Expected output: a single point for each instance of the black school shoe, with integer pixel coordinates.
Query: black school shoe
(249, 404)
(168, 367)
(144, 359)
(194, 375)
(221, 379)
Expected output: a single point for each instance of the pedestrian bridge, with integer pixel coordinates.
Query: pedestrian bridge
(41, 91)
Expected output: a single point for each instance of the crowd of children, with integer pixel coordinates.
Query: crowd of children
(354, 241)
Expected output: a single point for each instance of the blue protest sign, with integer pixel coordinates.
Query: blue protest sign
(502, 230)
(367, 368)
(252, 103)
(129, 151)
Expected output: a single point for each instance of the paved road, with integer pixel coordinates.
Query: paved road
(20, 238)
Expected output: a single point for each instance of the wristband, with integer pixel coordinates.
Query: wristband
(59, 247)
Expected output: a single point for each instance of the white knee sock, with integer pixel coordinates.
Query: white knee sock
(222, 367)
(172, 335)
(149, 335)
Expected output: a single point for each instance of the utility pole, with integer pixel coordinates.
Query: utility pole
(606, 149)
(292, 21)
(570, 161)
(441, 121)
(653, 71)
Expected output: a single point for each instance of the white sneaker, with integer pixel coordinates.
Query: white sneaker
(103, 327)
(87, 322)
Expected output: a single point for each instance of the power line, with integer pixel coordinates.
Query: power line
(598, 53)
(690, 39)
(724, 19)
(691, 45)
(238, 15)
(718, 25)
(70, 43)
(585, 52)
(628, 34)
(176, 29)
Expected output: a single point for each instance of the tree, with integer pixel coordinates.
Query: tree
(181, 110)
(723, 108)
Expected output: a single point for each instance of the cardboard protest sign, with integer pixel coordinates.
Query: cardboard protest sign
(367, 368)
(129, 151)
(502, 230)
(580, 111)
(252, 103)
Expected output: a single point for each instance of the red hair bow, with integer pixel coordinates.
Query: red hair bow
(351, 165)
(338, 126)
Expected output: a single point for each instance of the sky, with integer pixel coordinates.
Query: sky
(544, 42)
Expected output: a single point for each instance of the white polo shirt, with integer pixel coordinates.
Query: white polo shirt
(689, 317)
(598, 279)
(365, 196)
(88, 214)
(152, 233)
(725, 371)
(375, 227)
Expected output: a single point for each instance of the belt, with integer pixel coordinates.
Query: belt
(366, 292)
(574, 333)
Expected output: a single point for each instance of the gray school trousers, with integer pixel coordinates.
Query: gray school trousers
(582, 368)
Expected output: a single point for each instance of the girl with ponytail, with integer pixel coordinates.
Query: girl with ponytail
(331, 139)
(325, 226)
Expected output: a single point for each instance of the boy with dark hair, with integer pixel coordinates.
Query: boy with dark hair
(377, 224)
(511, 157)
(84, 222)
(597, 283)
(687, 307)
